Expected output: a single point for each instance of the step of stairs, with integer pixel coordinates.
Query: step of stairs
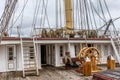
(29, 58)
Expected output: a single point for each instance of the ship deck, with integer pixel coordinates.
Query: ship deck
(49, 73)
(107, 75)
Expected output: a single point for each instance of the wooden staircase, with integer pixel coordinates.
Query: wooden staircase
(29, 58)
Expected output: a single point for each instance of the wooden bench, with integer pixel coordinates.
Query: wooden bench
(74, 60)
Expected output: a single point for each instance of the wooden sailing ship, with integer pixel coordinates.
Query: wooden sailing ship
(78, 24)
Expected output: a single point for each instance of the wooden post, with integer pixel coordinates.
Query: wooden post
(110, 62)
(87, 68)
(93, 64)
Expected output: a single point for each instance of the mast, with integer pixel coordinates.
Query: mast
(69, 27)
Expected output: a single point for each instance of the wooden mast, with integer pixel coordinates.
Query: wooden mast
(69, 28)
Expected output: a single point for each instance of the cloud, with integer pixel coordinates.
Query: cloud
(2, 5)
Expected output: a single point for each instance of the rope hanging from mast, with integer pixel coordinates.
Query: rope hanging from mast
(79, 13)
(6, 16)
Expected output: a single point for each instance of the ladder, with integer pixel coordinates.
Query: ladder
(115, 41)
(29, 58)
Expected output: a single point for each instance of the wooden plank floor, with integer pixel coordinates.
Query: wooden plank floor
(47, 73)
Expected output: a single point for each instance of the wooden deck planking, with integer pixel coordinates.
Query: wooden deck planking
(47, 73)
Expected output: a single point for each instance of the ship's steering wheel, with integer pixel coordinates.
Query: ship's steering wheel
(89, 52)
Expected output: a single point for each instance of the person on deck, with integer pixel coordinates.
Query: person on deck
(68, 61)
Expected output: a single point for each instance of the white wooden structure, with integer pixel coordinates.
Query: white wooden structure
(48, 51)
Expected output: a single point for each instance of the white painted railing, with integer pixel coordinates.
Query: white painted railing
(115, 50)
(36, 55)
(115, 41)
(21, 41)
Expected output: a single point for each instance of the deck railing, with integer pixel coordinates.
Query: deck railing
(60, 33)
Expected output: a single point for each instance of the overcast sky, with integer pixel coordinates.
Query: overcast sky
(114, 7)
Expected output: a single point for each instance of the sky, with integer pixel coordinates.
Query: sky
(114, 7)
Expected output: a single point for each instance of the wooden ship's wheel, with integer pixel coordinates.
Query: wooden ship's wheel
(93, 54)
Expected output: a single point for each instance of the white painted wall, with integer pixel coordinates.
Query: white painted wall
(18, 64)
(58, 59)
(39, 56)
(3, 58)
(72, 50)
(105, 52)
(19, 58)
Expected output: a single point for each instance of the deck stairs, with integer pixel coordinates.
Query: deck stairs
(29, 57)
(115, 41)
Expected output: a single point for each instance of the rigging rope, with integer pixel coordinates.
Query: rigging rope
(60, 13)
(21, 24)
(89, 13)
(19, 14)
(93, 14)
(96, 11)
(34, 16)
(84, 22)
(79, 17)
(36, 12)
(81, 12)
(84, 19)
(107, 9)
(77, 13)
(102, 10)
(109, 14)
(64, 11)
(87, 21)
(56, 1)
(11, 23)
(45, 7)
(41, 19)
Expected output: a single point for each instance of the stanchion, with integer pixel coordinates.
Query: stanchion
(87, 68)
(111, 63)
